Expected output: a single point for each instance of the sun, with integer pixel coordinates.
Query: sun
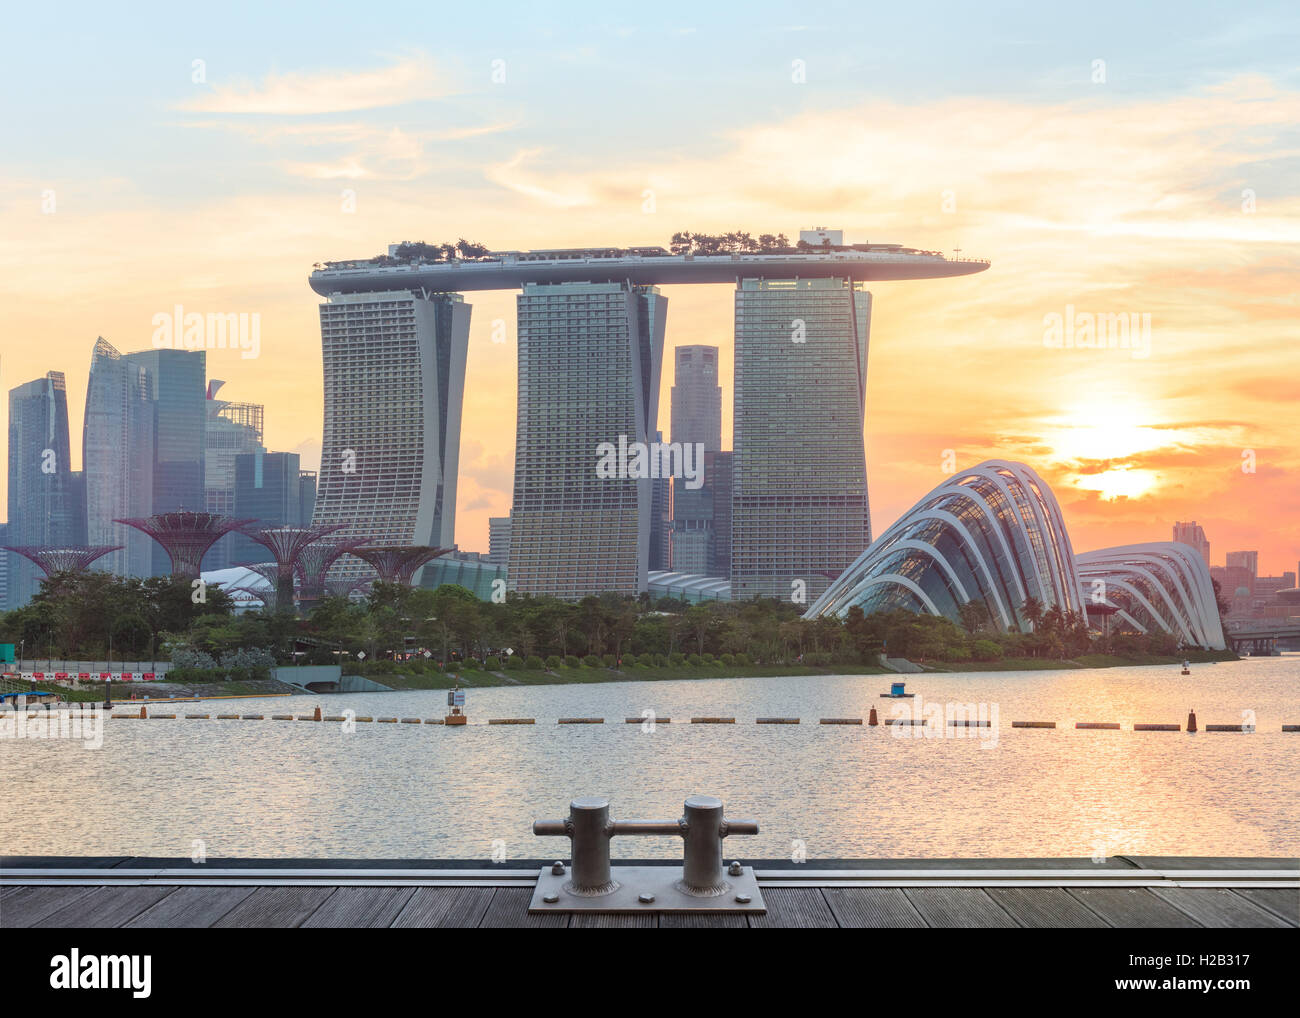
(1101, 434)
(1121, 482)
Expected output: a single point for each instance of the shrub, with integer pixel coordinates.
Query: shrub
(709, 659)
(677, 660)
(742, 658)
(571, 661)
(986, 650)
(608, 661)
(591, 661)
(492, 664)
(695, 660)
(553, 662)
(629, 661)
(728, 659)
(534, 662)
(188, 657)
(661, 660)
(470, 664)
(514, 662)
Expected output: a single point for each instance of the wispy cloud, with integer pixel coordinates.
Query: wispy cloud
(329, 91)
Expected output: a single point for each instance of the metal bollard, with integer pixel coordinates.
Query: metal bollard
(702, 828)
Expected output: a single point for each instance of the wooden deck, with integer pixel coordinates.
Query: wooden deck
(1126, 893)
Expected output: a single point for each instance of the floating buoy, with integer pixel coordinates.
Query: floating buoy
(317, 715)
(144, 712)
(871, 718)
(1191, 721)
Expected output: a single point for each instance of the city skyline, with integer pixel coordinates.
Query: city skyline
(1046, 188)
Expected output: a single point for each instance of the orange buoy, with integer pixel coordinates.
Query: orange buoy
(144, 712)
(1191, 720)
(316, 716)
(871, 718)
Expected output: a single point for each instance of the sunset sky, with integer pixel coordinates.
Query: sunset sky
(1112, 158)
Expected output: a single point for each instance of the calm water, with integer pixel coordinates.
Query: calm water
(248, 788)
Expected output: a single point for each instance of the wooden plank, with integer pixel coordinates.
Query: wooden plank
(1219, 907)
(191, 907)
(1045, 908)
(353, 908)
(442, 907)
(1281, 901)
(871, 907)
(701, 921)
(279, 907)
(1132, 908)
(968, 908)
(25, 906)
(802, 907)
(509, 908)
(614, 921)
(106, 908)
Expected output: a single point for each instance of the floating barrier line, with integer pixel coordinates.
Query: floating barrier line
(1110, 726)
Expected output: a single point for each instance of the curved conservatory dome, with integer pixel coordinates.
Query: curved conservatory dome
(992, 534)
(1159, 586)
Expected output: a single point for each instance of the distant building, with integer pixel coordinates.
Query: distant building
(117, 455)
(179, 398)
(499, 540)
(589, 359)
(44, 507)
(268, 489)
(306, 495)
(1248, 560)
(230, 429)
(394, 368)
(661, 518)
(1194, 535)
(718, 468)
(468, 570)
(799, 500)
(697, 397)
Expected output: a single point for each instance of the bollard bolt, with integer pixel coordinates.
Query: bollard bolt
(735, 869)
(557, 868)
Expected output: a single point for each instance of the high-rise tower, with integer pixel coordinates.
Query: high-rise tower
(44, 507)
(117, 455)
(799, 504)
(589, 362)
(394, 366)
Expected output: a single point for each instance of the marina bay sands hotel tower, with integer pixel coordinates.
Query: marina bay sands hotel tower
(591, 327)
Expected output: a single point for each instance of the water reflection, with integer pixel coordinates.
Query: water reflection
(247, 788)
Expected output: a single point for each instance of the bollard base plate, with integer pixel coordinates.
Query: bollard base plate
(660, 881)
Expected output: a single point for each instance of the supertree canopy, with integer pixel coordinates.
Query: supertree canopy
(343, 586)
(185, 536)
(68, 559)
(315, 559)
(287, 544)
(397, 563)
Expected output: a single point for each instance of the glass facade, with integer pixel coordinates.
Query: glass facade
(589, 356)
(394, 367)
(799, 504)
(44, 507)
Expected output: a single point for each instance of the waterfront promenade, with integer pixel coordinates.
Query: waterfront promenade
(1122, 892)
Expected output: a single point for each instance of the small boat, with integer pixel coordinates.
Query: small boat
(896, 692)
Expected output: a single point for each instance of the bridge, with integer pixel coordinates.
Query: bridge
(1261, 637)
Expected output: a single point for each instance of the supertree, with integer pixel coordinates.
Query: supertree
(68, 559)
(343, 586)
(314, 563)
(185, 536)
(286, 544)
(397, 563)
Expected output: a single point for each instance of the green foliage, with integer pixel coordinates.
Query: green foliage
(534, 663)
(493, 664)
(553, 662)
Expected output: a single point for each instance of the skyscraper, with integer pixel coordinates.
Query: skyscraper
(589, 362)
(1248, 560)
(799, 506)
(117, 454)
(229, 430)
(394, 367)
(697, 397)
(1194, 535)
(179, 418)
(499, 540)
(697, 421)
(43, 504)
(268, 489)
